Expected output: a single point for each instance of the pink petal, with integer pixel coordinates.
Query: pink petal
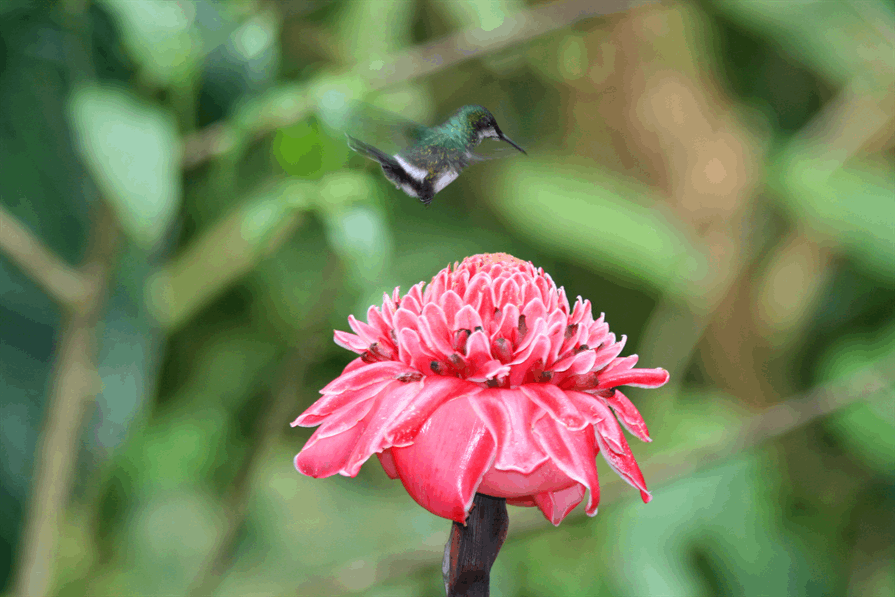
(443, 467)
(622, 461)
(467, 319)
(576, 364)
(434, 329)
(413, 300)
(333, 403)
(535, 354)
(509, 323)
(478, 350)
(508, 416)
(350, 341)
(509, 294)
(604, 355)
(556, 505)
(451, 303)
(639, 378)
(534, 311)
(405, 319)
(628, 415)
(375, 319)
(326, 457)
(591, 408)
(477, 286)
(493, 369)
(388, 405)
(622, 364)
(368, 333)
(556, 403)
(412, 352)
(388, 463)
(436, 391)
(573, 452)
(366, 375)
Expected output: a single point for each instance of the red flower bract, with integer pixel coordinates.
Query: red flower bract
(483, 381)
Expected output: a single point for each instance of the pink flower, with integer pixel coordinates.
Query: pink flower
(483, 381)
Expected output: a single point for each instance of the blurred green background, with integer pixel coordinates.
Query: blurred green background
(182, 229)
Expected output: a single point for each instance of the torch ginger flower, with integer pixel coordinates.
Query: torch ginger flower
(484, 380)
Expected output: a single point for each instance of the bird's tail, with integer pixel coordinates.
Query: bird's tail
(370, 152)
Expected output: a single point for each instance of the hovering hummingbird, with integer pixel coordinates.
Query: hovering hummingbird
(438, 154)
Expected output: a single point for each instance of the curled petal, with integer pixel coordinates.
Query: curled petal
(489, 370)
(577, 363)
(508, 414)
(509, 323)
(405, 319)
(350, 341)
(434, 329)
(478, 350)
(604, 355)
(556, 505)
(411, 351)
(556, 403)
(622, 461)
(573, 453)
(537, 353)
(451, 303)
(375, 320)
(628, 415)
(367, 333)
(444, 466)
(622, 364)
(467, 319)
(639, 378)
(534, 311)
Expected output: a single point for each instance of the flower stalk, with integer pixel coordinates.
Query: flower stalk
(472, 548)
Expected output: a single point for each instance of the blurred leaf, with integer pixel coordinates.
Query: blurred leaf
(868, 429)
(227, 251)
(158, 35)
(131, 150)
(853, 203)
(840, 39)
(715, 533)
(593, 218)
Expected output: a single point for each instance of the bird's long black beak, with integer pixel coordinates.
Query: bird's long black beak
(508, 140)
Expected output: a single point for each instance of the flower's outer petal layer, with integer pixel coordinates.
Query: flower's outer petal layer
(328, 456)
(388, 406)
(556, 403)
(388, 463)
(556, 505)
(513, 484)
(436, 391)
(508, 415)
(573, 452)
(366, 375)
(443, 467)
(334, 404)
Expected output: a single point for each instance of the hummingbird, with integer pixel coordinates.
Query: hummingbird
(438, 154)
